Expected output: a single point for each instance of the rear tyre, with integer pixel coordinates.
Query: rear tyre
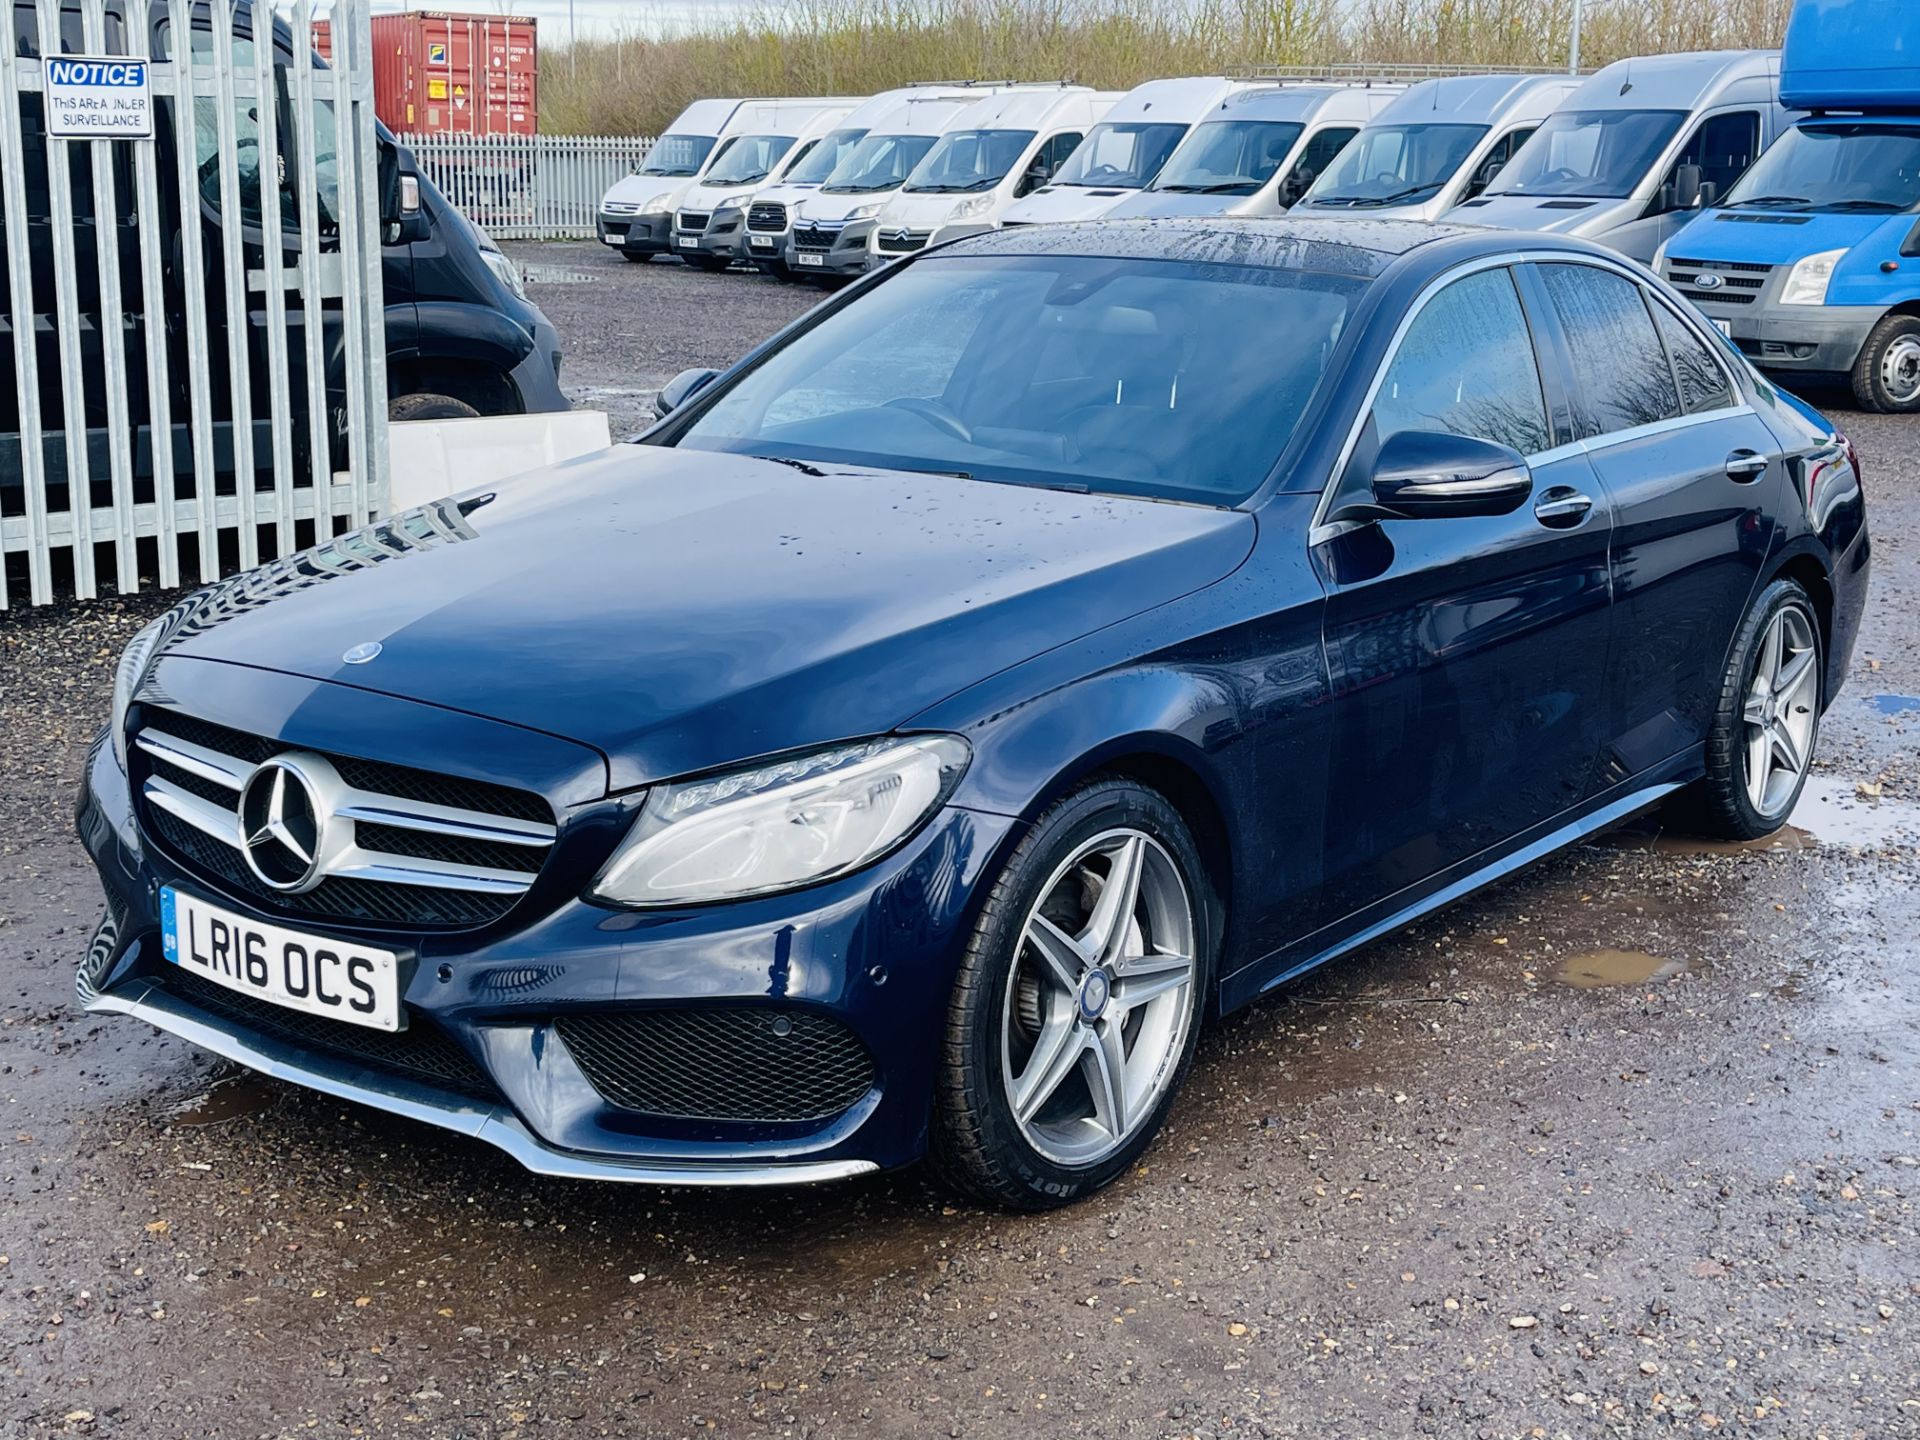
(1078, 1004)
(1767, 723)
(426, 406)
(1886, 377)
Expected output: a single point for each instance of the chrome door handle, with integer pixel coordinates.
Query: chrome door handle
(1746, 466)
(1562, 507)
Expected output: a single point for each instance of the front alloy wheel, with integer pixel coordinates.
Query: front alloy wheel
(1077, 1006)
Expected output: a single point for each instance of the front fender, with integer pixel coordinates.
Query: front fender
(472, 332)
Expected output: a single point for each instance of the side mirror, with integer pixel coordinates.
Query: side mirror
(682, 388)
(403, 215)
(1037, 175)
(1687, 180)
(1424, 474)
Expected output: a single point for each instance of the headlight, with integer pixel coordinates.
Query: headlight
(658, 205)
(972, 206)
(866, 212)
(127, 676)
(783, 825)
(732, 202)
(1807, 281)
(508, 272)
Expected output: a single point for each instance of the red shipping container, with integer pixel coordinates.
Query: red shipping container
(448, 74)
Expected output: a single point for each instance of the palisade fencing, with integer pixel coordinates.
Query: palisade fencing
(170, 385)
(528, 187)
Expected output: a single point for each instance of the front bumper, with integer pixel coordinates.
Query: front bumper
(638, 234)
(845, 256)
(875, 953)
(724, 238)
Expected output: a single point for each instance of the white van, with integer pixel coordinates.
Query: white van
(828, 238)
(998, 150)
(770, 216)
(639, 207)
(709, 216)
(1124, 152)
(1636, 149)
(1256, 152)
(1437, 144)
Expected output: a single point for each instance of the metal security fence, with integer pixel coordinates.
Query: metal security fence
(528, 187)
(169, 384)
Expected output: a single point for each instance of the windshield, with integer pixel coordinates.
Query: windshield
(968, 160)
(824, 157)
(1120, 157)
(879, 162)
(1131, 377)
(1229, 157)
(676, 155)
(1602, 153)
(1835, 166)
(1395, 165)
(748, 158)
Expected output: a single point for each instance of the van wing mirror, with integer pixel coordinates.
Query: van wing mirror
(1427, 474)
(1038, 173)
(403, 213)
(680, 389)
(1687, 182)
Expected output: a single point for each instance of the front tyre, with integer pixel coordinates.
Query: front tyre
(1886, 376)
(1761, 744)
(1077, 1007)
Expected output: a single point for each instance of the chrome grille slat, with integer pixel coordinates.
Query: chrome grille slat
(443, 820)
(441, 874)
(195, 759)
(205, 816)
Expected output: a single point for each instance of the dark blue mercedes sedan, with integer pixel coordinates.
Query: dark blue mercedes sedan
(907, 746)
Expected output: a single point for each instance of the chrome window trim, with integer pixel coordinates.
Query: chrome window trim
(1320, 530)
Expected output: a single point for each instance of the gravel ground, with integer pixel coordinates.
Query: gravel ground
(1628, 1145)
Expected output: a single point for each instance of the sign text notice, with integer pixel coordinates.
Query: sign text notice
(103, 97)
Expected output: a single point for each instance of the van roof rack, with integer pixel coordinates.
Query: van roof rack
(1348, 71)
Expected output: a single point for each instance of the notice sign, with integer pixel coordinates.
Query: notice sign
(103, 97)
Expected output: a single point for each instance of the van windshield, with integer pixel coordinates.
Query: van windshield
(1833, 165)
(968, 160)
(1125, 377)
(1229, 157)
(676, 155)
(879, 162)
(747, 159)
(1395, 165)
(1120, 157)
(820, 161)
(1601, 153)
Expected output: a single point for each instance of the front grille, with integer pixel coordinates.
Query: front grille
(621, 207)
(902, 242)
(423, 1051)
(767, 216)
(814, 237)
(759, 1065)
(692, 221)
(1741, 281)
(421, 851)
(1744, 267)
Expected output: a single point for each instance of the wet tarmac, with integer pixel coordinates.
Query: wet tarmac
(1629, 1145)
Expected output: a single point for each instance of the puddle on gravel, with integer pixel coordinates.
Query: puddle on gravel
(536, 273)
(225, 1100)
(1597, 969)
(1894, 704)
(1831, 812)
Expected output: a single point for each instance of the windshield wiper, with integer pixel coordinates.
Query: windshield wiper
(1232, 187)
(1396, 196)
(1886, 205)
(1781, 201)
(802, 466)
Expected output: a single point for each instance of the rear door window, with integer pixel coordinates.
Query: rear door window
(1619, 366)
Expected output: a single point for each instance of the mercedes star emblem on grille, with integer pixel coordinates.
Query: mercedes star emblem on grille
(281, 826)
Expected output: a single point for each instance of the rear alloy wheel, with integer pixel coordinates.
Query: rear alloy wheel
(1760, 748)
(1078, 1007)
(1886, 377)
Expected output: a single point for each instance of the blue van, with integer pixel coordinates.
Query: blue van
(1811, 264)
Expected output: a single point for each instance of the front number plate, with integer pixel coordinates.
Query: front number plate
(1725, 327)
(806, 259)
(760, 242)
(340, 979)
(689, 242)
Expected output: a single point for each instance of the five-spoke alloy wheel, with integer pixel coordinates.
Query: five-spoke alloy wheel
(1078, 1003)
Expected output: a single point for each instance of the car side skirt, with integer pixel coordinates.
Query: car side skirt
(491, 1123)
(1266, 974)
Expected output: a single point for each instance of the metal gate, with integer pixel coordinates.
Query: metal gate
(528, 187)
(179, 385)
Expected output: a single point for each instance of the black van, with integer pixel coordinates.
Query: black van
(462, 338)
